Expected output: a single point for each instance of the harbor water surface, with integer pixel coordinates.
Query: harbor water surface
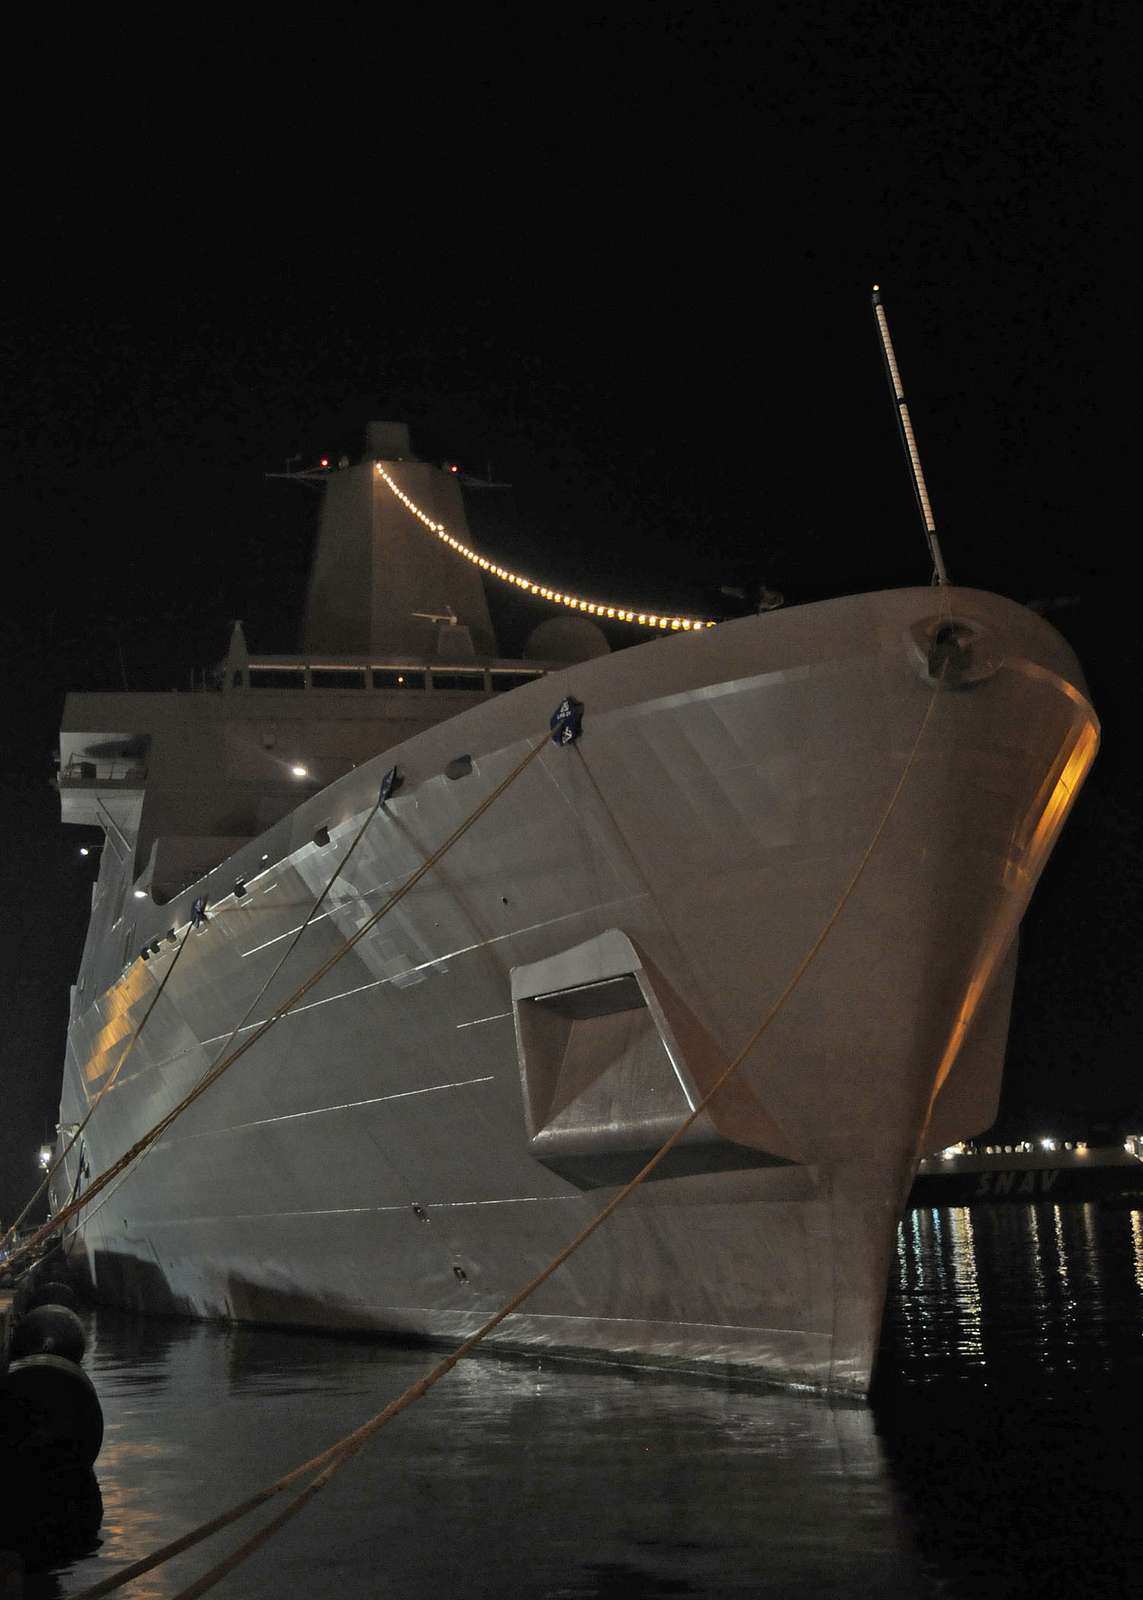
(999, 1456)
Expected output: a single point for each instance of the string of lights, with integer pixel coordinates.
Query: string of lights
(592, 608)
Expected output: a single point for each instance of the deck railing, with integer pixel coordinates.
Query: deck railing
(88, 774)
(295, 672)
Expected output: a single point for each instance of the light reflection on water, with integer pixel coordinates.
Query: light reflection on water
(1028, 1287)
(511, 1478)
(1011, 1419)
(967, 1285)
(989, 1464)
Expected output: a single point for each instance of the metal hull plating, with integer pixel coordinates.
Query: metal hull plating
(369, 1163)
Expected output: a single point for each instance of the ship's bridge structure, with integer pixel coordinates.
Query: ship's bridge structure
(397, 637)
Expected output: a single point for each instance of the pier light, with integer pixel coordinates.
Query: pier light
(1047, 1144)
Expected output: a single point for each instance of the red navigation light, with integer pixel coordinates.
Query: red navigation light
(453, 467)
(325, 461)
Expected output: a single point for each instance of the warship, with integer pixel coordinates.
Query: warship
(873, 782)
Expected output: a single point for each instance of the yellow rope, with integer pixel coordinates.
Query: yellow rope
(110, 1193)
(119, 1065)
(154, 1133)
(330, 1461)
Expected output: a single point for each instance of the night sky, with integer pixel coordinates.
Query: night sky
(628, 264)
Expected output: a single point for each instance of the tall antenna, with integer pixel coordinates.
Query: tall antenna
(908, 440)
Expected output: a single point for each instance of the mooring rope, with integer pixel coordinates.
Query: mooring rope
(326, 1464)
(77, 1135)
(155, 1132)
(54, 1221)
(110, 1193)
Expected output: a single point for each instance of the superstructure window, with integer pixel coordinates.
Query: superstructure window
(338, 677)
(397, 678)
(452, 679)
(503, 681)
(277, 678)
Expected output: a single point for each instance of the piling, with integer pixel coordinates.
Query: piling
(11, 1576)
(11, 1565)
(51, 1429)
(7, 1318)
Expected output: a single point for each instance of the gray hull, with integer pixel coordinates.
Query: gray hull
(441, 1114)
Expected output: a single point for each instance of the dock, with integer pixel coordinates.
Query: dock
(1047, 1169)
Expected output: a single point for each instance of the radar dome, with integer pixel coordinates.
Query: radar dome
(566, 639)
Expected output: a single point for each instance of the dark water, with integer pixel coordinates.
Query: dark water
(1001, 1455)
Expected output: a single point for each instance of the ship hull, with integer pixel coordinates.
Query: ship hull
(408, 1147)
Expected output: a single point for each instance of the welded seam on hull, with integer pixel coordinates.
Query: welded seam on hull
(653, 1322)
(560, 1316)
(448, 955)
(497, 1016)
(349, 1211)
(320, 1111)
(376, 983)
(718, 691)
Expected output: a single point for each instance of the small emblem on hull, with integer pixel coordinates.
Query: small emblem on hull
(567, 721)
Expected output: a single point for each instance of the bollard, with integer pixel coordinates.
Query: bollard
(7, 1323)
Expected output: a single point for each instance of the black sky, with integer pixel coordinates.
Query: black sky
(627, 261)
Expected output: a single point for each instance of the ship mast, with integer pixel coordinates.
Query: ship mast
(908, 440)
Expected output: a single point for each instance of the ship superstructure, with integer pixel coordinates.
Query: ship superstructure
(447, 1107)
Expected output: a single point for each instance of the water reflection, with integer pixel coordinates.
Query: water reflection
(1010, 1411)
(48, 1516)
(967, 1285)
(1050, 1284)
(513, 1477)
(989, 1464)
